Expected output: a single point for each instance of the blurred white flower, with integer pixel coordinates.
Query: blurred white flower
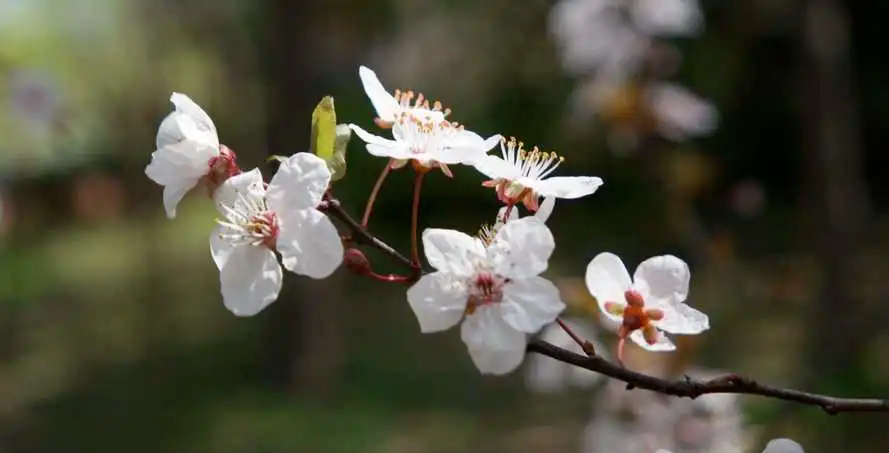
(522, 175)
(391, 107)
(282, 217)
(494, 288)
(427, 143)
(188, 151)
(613, 35)
(643, 421)
(649, 303)
(783, 445)
(679, 113)
(545, 375)
(34, 97)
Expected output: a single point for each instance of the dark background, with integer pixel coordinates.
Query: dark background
(113, 336)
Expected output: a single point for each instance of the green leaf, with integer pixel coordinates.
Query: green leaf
(325, 135)
(337, 163)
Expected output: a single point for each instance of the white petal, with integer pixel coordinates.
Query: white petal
(191, 122)
(663, 343)
(185, 105)
(438, 301)
(494, 167)
(569, 187)
(681, 319)
(468, 147)
(220, 249)
(495, 347)
(173, 194)
(607, 280)
(668, 17)
(545, 209)
(309, 243)
(248, 184)
(783, 445)
(664, 278)
(521, 248)
(382, 147)
(300, 183)
(170, 131)
(451, 251)
(251, 280)
(384, 103)
(177, 163)
(531, 303)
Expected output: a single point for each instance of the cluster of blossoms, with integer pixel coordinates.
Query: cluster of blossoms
(611, 46)
(489, 283)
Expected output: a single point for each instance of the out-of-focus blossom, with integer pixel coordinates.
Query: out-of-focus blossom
(783, 445)
(679, 113)
(494, 288)
(545, 375)
(523, 176)
(643, 421)
(34, 97)
(613, 35)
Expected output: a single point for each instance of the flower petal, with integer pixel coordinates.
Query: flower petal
(251, 280)
(495, 347)
(521, 248)
(309, 243)
(681, 319)
(451, 251)
(569, 187)
(234, 190)
(607, 280)
(783, 445)
(531, 303)
(494, 167)
(188, 123)
(663, 343)
(664, 278)
(384, 103)
(220, 249)
(545, 209)
(467, 147)
(382, 147)
(300, 183)
(176, 163)
(438, 301)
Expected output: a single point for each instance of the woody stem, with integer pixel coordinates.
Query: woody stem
(418, 184)
(373, 194)
(584, 344)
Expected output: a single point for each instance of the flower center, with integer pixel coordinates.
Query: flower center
(426, 136)
(485, 288)
(533, 163)
(249, 222)
(636, 316)
(406, 100)
(222, 166)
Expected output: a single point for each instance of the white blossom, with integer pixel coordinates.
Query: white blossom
(428, 143)
(521, 175)
(494, 288)
(391, 107)
(649, 303)
(783, 445)
(282, 217)
(188, 151)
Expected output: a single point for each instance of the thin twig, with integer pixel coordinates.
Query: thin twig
(686, 387)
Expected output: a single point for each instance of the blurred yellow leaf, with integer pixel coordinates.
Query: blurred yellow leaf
(328, 140)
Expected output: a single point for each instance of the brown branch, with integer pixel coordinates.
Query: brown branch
(687, 387)
(693, 388)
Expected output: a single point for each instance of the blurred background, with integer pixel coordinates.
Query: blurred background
(744, 136)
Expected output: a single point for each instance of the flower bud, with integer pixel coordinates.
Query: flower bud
(356, 261)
